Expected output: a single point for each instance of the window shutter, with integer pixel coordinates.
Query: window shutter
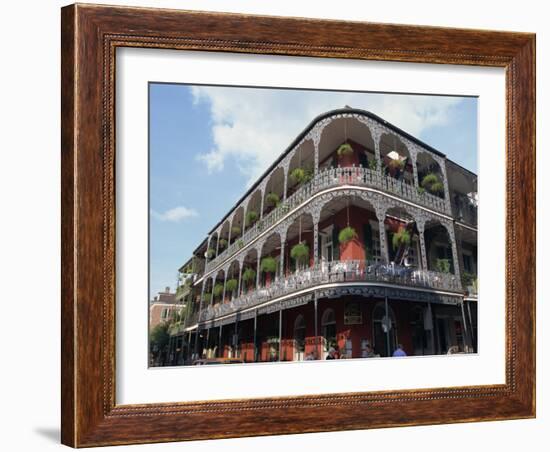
(335, 243)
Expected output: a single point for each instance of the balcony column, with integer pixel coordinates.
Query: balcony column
(456, 265)
(240, 278)
(466, 337)
(445, 181)
(315, 241)
(262, 205)
(376, 136)
(285, 183)
(414, 155)
(217, 244)
(258, 271)
(421, 229)
(255, 334)
(384, 254)
(224, 283)
(282, 256)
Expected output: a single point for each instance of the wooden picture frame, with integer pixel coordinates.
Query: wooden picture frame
(90, 36)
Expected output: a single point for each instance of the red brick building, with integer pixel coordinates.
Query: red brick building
(359, 235)
(162, 308)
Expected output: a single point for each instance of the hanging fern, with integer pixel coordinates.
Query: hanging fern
(298, 175)
(223, 243)
(300, 252)
(218, 290)
(236, 231)
(231, 285)
(432, 183)
(344, 149)
(268, 265)
(207, 297)
(210, 252)
(251, 217)
(273, 199)
(347, 234)
(401, 238)
(443, 265)
(249, 275)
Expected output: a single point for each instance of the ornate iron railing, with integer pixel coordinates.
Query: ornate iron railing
(330, 178)
(336, 272)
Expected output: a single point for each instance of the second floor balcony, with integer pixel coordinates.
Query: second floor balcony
(339, 272)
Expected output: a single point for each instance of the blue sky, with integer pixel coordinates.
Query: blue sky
(209, 144)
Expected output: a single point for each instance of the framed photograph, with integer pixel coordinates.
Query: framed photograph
(281, 225)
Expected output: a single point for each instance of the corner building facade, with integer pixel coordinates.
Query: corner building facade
(359, 237)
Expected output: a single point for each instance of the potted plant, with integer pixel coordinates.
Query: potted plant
(207, 297)
(240, 244)
(210, 252)
(301, 175)
(443, 265)
(401, 238)
(432, 183)
(300, 252)
(273, 199)
(268, 265)
(251, 217)
(346, 235)
(395, 166)
(222, 243)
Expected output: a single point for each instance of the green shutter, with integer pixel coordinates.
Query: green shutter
(335, 243)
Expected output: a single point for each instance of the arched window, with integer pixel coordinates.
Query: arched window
(328, 324)
(299, 338)
(384, 330)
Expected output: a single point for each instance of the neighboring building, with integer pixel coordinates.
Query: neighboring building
(162, 308)
(369, 244)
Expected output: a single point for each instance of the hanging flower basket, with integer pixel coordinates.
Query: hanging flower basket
(210, 252)
(432, 184)
(218, 290)
(236, 231)
(344, 149)
(222, 244)
(251, 217)
(300, 252)
(347, 234)
(401, 238)
(249, 275)
(231, 285)
(273, 199)
(268, 265)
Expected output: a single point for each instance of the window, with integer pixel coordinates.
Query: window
(328, 323)
(376, 256)
(352, 313)
(326, 244)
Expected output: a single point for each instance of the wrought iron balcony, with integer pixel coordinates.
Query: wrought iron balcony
(330, 178)
(336, 272)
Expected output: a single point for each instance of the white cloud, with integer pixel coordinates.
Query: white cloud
(253, 126)
(175, 215)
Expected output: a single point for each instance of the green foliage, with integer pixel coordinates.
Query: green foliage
(300, 252)
(159, 336)
(396, 164)
(268, 265)
(373, 164)
(240, 244)
(222, 244)
(251, 217)
(210, 252)
(443, 265)
(301, 175)
(421, 190)
(401, 237)
(344, 149)
(468, 279)
(231, 285)
(236, 231)
(273, 199)
(218, 290)
(207, 297)
(249, 275)
(347, 234)
(432, 183)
